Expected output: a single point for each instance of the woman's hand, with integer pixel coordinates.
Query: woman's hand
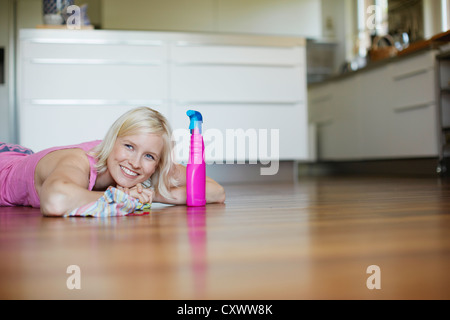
(139, 192)
(215, 193)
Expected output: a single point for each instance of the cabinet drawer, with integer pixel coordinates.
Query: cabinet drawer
(100, 52)
(241, 55)
(238, 84)
(48, 126)
(414, 132)
(238, 132)
(60, 81)
(320, 100)
(407, 65)
(413, 88)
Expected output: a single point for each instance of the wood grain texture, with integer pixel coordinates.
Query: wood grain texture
(310, 240)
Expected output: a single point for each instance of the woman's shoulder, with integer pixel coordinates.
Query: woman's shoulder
(87, 146)
(74, 156)
(62, 160)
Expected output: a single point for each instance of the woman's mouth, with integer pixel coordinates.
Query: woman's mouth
(129, 172)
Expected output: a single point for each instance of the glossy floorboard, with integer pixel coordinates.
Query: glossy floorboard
(311, 240)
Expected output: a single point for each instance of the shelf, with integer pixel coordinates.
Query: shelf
(443, 56)
(443, 64)
(63, 27)
(446, 150)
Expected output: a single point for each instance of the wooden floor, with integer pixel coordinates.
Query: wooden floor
(311, 240)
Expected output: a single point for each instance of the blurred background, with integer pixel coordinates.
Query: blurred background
(339, 34)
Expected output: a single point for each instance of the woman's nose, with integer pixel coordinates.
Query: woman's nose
(134, 162)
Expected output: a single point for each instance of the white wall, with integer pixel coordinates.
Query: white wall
(273, 17)
(29, 13)
(290, 17)
(307, 18)
(170, 15)
(432, 17)
(5, 125)
(339, 26)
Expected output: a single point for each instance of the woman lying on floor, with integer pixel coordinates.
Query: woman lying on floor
(101, 178)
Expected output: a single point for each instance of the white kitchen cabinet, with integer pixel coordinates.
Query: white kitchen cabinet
(338, 128)
(243, 87)
(375, 114)
(74, 83)
(59, 125)
(335, 116)
(413, 103)
(384, 112)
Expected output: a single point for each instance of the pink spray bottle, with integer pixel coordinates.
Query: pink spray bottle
(196, 167)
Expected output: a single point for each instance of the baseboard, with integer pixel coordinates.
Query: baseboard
(415, 167)
(251, 173)
(289, 171)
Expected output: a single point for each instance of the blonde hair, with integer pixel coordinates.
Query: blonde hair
(141, 120)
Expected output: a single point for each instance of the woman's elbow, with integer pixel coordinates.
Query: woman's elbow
(54, 204)
(217, 194)
(222, 196)
(52, 208)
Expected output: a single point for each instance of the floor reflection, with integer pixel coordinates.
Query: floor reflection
(196, 222)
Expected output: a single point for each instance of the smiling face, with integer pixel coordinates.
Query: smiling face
(134, 158)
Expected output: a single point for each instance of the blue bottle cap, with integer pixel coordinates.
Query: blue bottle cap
(196, 120)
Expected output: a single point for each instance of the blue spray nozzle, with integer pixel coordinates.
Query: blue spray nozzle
(196, 120)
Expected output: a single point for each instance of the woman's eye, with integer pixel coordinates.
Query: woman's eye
(149, 156)
(129, 146)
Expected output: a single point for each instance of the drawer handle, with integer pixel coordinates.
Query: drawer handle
(238, 102)
(235, 42)
(151, 43)
(97, 62)
(237, 64)
(325, 98)
(324, 122)
(410, 74)
(413, 107)
(93, 102)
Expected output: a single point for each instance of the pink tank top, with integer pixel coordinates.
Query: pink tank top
(17, 175)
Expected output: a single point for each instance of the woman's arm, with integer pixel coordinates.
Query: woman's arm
(215, 193)
(65, 182)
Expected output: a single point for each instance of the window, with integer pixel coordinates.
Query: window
(2, 65)
(372, 21)
(445, 15)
